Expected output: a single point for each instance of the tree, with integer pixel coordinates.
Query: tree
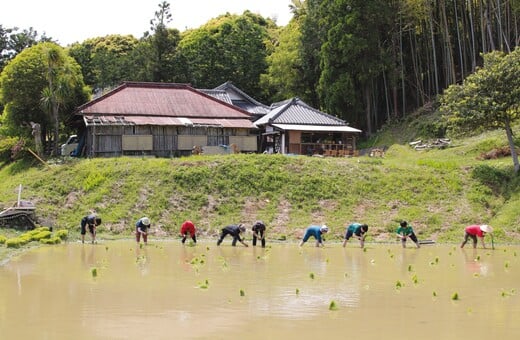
(352, 58)
(14, 41)
(488, 98)
(39, 85)
(106, 61)
(284, 74)
(230, 47)
(163, 43)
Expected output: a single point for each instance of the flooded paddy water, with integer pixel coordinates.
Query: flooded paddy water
(117, 290)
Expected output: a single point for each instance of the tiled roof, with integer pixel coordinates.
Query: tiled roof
(243, 100)
(295, 111)
(161, 99)
(219, 94)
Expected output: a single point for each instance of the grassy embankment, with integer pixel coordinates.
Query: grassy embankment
(437, 191)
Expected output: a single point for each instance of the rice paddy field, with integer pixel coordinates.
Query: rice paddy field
(119, 290)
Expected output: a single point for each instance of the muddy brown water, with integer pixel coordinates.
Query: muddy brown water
(170, 291)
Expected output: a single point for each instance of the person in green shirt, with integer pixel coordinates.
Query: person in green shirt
(404, 231)
(357, 229)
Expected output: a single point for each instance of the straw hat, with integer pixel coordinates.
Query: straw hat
(485, 228)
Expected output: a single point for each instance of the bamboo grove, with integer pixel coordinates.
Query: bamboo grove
(380, 59)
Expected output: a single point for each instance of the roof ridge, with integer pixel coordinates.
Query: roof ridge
(248, 97)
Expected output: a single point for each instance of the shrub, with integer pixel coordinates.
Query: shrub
(2, 239)
(13, 243)
(6, 147)
(51, 240)
(38, 235)
(63, 234)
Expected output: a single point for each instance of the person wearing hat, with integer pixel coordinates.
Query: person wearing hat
(188, 227)
(259, 233)
(404, 231)
(141, 228)
(475, 231)
(316, 231)
(358, 229)
(233, 230)
(91, 221)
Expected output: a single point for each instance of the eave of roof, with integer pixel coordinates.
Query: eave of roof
(317, 128)
(111, 120)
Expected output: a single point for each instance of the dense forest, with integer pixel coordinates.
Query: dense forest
(366, 61)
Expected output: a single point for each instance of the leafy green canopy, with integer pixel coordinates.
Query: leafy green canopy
(230, 47)
(24, 80)
(488, 98)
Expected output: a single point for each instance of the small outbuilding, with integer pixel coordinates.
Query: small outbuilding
(293, 127)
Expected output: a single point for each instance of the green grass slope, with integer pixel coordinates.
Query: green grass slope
(437, 191)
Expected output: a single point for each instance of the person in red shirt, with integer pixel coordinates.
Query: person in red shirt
(188, 227)
(475, 231)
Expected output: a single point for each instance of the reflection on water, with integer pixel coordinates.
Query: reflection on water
(166, 290)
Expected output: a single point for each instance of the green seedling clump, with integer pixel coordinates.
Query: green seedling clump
(455, 296)
(333, 305)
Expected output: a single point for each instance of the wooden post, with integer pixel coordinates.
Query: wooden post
(37, 157)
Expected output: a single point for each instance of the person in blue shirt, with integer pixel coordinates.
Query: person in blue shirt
(315, 231)
(357, 229)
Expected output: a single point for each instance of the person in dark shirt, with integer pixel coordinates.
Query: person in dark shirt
(141, 228)
(91, 221)
(233, 230)
(259, 233)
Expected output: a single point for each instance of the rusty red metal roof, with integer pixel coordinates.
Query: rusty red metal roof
(161, 100)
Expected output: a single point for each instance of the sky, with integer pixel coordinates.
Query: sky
(69, 21)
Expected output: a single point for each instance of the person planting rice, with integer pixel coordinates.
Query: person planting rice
(475, 231)
(406, 231)
(316, 232)
(233, 230)
(188, 228)
(358, 229)
(259, 233)
(141, 228)
(91, 221)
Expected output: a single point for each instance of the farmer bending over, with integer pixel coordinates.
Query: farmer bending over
(259, 233)
(475, 231)
(404, 231)
(92, 221)
(233, 230)
(316, 232)
(358, 229)
(188, 228)
(141, 228)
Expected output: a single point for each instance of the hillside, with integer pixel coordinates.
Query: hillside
(437, 191)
